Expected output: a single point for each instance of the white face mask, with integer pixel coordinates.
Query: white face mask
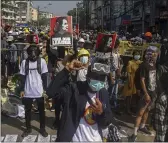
(137, 57)
(84, 59)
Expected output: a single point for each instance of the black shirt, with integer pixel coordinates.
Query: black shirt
(148, 72)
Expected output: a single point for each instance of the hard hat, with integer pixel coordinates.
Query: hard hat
(83, 52)
(10, 38)
(26, 31)
(42, 33)
(10, 32)
(148, 34)
(81, 40)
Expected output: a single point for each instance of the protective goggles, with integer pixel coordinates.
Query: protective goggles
(100, 68)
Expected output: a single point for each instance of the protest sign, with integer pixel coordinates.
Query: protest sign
(61, 31)
(105, 41)
(105, 44)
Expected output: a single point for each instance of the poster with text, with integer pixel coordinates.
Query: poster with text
(61, 31)
(105, 42)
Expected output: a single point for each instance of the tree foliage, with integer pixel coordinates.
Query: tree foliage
(80, 15)
(44, 21)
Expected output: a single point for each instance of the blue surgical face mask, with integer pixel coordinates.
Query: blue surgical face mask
(137, 57)
(84, 59)
(96, 85)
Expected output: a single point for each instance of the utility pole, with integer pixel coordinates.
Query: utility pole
(20, 16)
(76, 15)
(111, 25)
(143, 16)
(102, 19)
(28, 11)
(125, 12)
(125, 6)
(38, 13)
(152, 12)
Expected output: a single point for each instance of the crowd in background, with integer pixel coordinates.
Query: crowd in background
(144, 81)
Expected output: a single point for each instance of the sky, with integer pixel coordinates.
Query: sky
(58, 7)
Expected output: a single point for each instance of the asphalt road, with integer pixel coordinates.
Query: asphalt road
(12, 128)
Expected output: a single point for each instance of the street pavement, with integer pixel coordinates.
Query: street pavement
(12, 128)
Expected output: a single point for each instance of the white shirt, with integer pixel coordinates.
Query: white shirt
(33, 84)
(116, 60)
(87, 130)
(82, 75)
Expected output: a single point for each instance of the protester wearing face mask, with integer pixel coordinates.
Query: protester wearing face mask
(86, 108)
(81, 43)
(83, 57)
(33, 74)
(129, 87)
(148, 91)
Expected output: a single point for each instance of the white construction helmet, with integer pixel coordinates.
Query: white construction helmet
(10, 32)
(10, 38)
(81, 40)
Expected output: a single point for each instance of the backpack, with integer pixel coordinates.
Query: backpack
(38, 66)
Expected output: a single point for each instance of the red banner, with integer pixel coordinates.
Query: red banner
(105, 41)
(61, 31)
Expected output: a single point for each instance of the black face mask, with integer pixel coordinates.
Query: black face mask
(10, 42)
(33, 56)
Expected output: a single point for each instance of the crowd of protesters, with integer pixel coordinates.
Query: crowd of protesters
(84, 87)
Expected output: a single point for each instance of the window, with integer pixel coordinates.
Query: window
(23, 19)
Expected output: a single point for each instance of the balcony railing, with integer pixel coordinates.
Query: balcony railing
(4, 17)
(9, 4)
(8, 17)
(21, 1)
(8, 10)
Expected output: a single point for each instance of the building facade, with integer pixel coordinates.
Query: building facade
(9, 12)
(106, 14)
(135, 16)
(24, 11)
(44, 14)
(34, 16)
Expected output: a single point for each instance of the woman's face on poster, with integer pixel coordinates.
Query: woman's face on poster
(64, 25)
(109, 42)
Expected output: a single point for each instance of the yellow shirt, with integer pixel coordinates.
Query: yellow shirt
(131, 69)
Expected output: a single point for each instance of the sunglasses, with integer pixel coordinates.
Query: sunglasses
(100, 68)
